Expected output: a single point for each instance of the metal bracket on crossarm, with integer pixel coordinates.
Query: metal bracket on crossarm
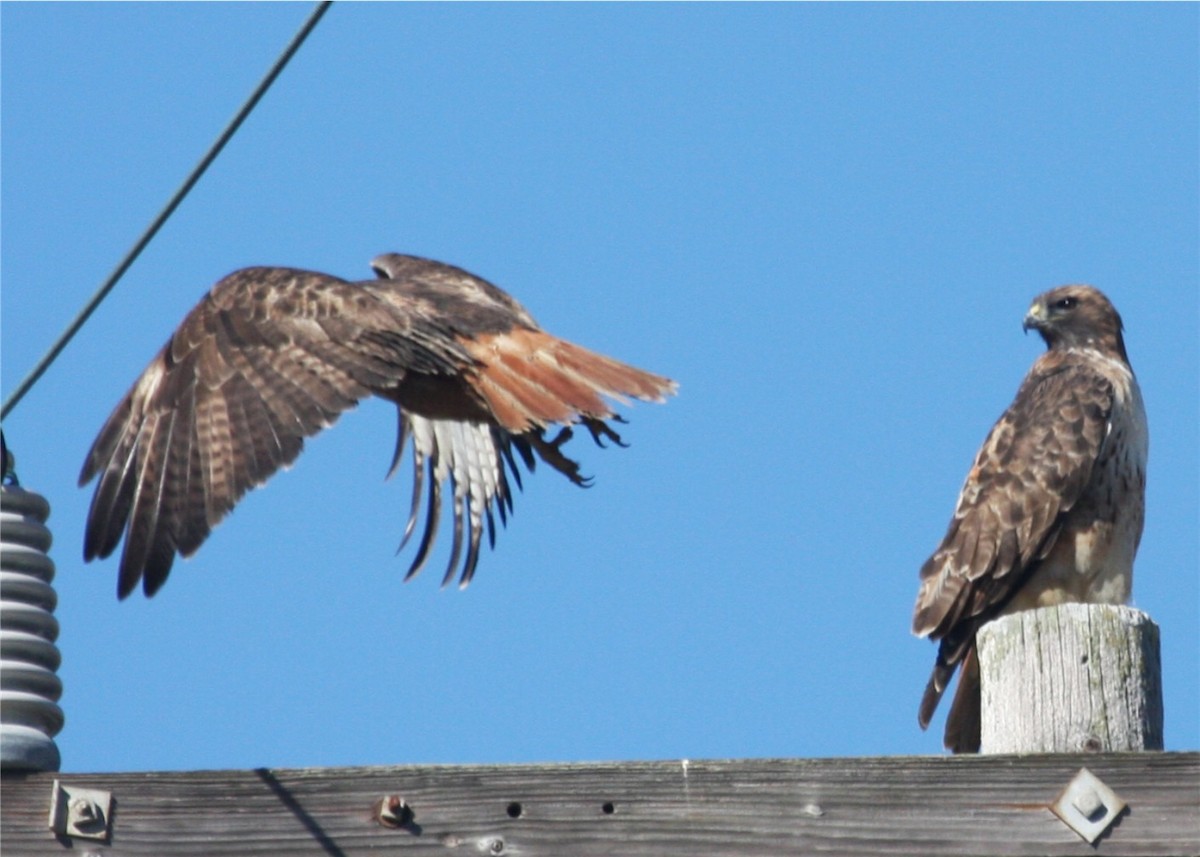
(1088, 806)
(80, 813)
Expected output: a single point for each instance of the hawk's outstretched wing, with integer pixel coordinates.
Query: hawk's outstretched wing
(273, 355)
(1052, 509)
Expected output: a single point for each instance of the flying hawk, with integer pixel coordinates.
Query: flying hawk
(271, 356)
(1051, 510)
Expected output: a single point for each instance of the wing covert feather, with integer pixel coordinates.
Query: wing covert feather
(1030, 471)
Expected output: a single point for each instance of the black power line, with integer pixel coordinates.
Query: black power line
(214, 150)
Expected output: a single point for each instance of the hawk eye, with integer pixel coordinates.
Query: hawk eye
(1065, 303)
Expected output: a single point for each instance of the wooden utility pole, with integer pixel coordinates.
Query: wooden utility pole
(1072, 678)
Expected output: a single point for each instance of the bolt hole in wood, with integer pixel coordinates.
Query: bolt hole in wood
(608, 808)
(514, 810)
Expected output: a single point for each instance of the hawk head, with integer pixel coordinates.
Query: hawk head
(1077, 317)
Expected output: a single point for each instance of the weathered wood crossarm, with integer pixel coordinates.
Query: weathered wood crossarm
(915, 805)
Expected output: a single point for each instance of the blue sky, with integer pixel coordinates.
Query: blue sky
(826, 221)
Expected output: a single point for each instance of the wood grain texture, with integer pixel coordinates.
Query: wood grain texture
(891, 805)
(1071, 678)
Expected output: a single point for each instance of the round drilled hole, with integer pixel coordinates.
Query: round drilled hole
(514, 810)
(608, 808)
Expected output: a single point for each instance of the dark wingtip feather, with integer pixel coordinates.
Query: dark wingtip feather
(472, 557)
(124, 587)
(491, 525)
(418, 484)
(129, 574)
(158, 568)
(401, 439)
(432, 515)
(107, 516)
(456, 548)
(527, 457)
(151, 571)
(526, 452)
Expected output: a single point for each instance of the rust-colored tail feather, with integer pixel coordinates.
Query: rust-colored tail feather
(612, 376)
(531, 379)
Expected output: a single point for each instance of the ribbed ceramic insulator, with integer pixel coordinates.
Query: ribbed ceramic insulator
(29, 688)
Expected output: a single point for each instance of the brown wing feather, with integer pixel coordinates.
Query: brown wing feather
(269, 357)
(1029, 473)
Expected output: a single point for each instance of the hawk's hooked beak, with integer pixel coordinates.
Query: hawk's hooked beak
(1035, 318)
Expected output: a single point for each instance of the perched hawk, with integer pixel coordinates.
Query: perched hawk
(273, 355)
(1052, 509)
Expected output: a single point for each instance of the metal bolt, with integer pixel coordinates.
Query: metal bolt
(393, 811)
(1089, 804)
(497, 846)
(84, 811)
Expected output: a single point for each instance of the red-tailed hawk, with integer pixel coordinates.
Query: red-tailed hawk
(1052, 510)
(273, 355)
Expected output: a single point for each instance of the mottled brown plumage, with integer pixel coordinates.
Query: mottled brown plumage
(273, 355)
(1052, 509)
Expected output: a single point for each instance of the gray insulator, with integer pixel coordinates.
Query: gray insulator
(29, 689)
